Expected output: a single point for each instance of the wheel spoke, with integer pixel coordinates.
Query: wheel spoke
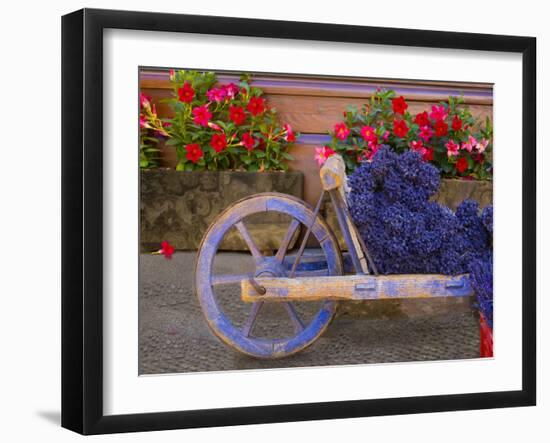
(249, 242)
(296, 321)
(281, 252)
(227, 279)
(251, 319)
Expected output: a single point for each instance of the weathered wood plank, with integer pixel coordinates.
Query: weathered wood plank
(357, 287)
(338, 86)
(314, 114)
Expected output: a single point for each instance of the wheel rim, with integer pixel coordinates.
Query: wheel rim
(240, 337)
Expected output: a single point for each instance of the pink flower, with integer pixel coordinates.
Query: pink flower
(144, 100)
(290, 136)
(214, 126)
(386, 136)
(231, 90)
(322, 153)
(426, 133)
(143, 123)
(367, 132)
(216, 95)
(171, 74)
(341, 131)
(480, 146)
(201, 115)
(469, 145)
(452, 148)
(418, 146)
(438, 112)
(248, 141)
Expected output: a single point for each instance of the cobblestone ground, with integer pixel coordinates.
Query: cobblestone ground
(174, 337)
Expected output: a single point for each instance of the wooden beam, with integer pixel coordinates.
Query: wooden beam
(341, 86)
(357, 287)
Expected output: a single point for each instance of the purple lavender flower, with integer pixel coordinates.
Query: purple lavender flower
(406, 232)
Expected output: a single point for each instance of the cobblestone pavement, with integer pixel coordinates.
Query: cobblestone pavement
(174, 337)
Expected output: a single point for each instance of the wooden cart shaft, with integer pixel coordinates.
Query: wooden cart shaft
(356, 287)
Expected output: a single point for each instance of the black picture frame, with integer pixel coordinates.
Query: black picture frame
(82, 218)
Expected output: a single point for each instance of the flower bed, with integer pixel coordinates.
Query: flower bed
(216, 127)
(447, 135)
(228, 144)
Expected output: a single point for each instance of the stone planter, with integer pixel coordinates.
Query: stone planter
(179, 206)
(454, 191)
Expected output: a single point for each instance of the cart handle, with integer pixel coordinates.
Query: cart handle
(333, 173)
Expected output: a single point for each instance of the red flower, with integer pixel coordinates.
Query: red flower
(166, 249)
(236, 114)
(367, 132)
(218, 142)
(341, 131)
(400, 128)
(457, 123)
(479, 158)
(399, 105)
(422, 119)
(248, 141)
(461, 165)
(186, 93)
(201, 115)
(290, 136)
(441, 128)
(418, 146)
(428, 155)
(256, 105)
(194, 152)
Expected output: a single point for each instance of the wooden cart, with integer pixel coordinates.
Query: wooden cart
(288, 280)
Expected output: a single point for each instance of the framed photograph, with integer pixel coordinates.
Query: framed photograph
(269, 221)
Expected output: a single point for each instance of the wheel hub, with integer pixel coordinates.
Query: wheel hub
(270, 267)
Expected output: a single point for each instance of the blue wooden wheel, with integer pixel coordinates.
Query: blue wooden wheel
(242, 333)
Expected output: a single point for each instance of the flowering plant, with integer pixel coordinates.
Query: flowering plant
(447, 135)
(148, 140)
(222, 126)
